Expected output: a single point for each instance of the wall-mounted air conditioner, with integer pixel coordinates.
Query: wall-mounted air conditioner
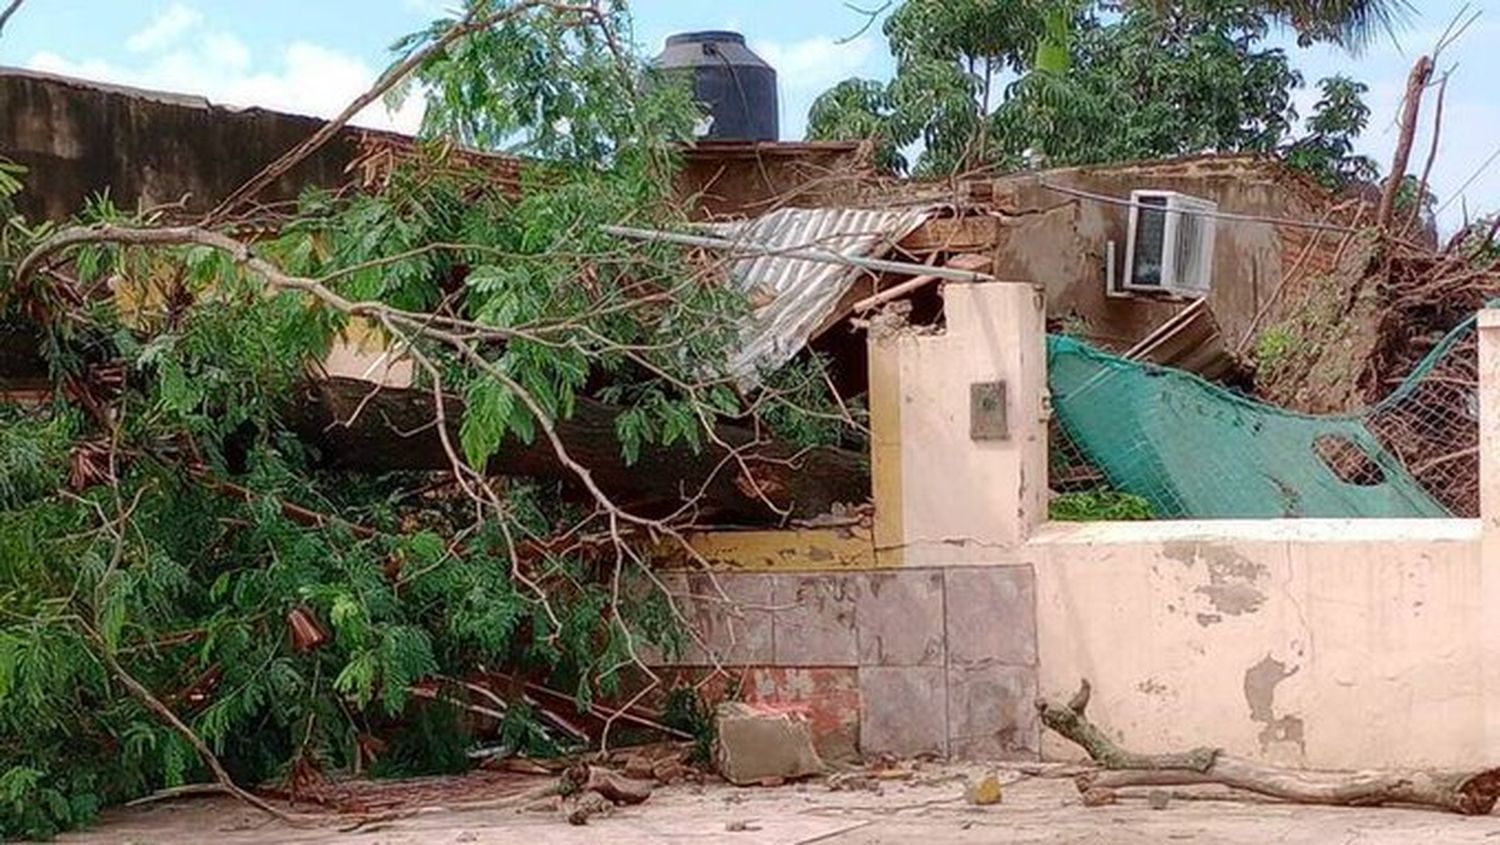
(1170, 245)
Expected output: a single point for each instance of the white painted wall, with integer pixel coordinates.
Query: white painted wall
(1320, 643)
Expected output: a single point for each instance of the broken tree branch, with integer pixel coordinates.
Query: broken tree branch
(968, 262)
(1432, 152)
(1069, 721)
(738, 474)
(1416, 83)
(388, 80)
(1468, 793)
(10, 10)
(225, 783)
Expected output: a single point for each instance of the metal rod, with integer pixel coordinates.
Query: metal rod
(803, 254)
(962, 262)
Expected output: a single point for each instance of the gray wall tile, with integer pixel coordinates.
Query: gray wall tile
(814, 620)
(899, 618)
(991, 616)
(903, 710)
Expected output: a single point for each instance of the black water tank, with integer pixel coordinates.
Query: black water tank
(736, 86)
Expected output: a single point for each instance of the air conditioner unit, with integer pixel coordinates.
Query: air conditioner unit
(1170, 245)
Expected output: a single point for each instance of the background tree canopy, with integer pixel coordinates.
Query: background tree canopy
(1017, 83)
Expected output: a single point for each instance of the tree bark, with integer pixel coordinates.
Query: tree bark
(1416, 84)
(1469, 793)
(357, 426)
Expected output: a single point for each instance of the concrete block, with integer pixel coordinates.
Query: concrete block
(903, 710)
(992, 713)
(758, 743)
(899, 618)
(733, 618)
(991, 616)
(827, 696)
(813, 623)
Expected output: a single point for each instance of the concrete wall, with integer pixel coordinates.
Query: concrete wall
(147, 148)
(941, 659)
(1324, 644)
(920, 419)
(1313, 643)
(1335, 644)
(1060, 241)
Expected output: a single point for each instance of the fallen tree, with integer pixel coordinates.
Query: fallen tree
(1471, 793)
(282, 622)
(735, 476)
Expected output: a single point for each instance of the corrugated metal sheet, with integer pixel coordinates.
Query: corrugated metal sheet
(792, 297)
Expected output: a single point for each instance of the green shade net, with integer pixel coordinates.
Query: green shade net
(1195, 450)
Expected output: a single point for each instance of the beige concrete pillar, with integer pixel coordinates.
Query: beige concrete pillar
(1489, 520)
(959, 477)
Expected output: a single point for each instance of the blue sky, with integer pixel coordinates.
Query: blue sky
(312, 56)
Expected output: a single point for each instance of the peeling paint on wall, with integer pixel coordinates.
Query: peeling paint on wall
(1261, 681)
(1233, 587)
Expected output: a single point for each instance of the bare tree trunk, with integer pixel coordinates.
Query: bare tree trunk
(357, 426)
(1470, 793)
(1416, 83)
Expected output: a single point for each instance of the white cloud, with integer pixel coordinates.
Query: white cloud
(807, 68)
(815, 63)
(165, 29)
(301, 77)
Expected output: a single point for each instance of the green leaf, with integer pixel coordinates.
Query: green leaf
(488, 411)
(357, 679)
(112, 610)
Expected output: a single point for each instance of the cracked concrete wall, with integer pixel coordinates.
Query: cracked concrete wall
(943, 497)
(1060, 242)
(1313, 643)
(1335, 644)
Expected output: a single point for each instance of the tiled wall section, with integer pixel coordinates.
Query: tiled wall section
(946, 658)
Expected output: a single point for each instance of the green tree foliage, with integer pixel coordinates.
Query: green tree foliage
(121, 545)
(948, 56)
(1349, 23)
(1327, 150)
(1060, 82)
(860, 108)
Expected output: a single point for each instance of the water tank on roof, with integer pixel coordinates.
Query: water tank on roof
(736, 86)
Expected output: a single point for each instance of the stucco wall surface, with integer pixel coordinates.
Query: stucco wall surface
(1060, 241)
(1312, 643)
(1322, 644)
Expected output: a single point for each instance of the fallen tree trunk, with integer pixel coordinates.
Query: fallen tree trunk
(356, 426)
(1469, 793)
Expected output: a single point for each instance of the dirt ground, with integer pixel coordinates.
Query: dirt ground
(1040, 810)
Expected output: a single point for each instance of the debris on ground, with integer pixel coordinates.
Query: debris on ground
(582, 807)
(665, 763)
(759, 743)
(1038, 810)
(1469, 793)
(869, 780)
(1098, 797)
(985, 792)
(613, 786)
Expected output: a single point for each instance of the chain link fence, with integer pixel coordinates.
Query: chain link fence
(1185, 448)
